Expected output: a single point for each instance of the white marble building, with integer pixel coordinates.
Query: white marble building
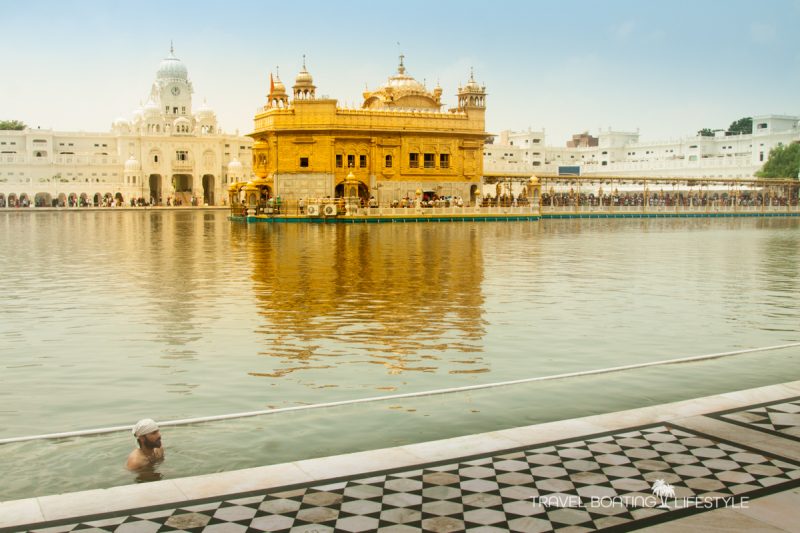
(166, 150)
(622, 153)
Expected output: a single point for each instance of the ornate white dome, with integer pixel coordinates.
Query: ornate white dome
(234, 166)
(151, 109)
(132, 165)
(204, 111)
(172, 68)
(138, 114)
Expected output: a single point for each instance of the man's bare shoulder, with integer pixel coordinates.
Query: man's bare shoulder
(136, 460)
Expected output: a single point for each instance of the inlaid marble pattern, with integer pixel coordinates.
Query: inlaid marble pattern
(580, 480)
(781, 418)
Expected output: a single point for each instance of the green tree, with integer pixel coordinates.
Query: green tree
(12, 125)
(783, 162)
(705, 132)
(743, 125)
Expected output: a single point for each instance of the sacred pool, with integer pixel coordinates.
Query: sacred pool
(111, 316)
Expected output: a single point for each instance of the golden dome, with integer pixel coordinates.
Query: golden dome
(401, 90)
(279, 87)
(471, 86)
(303, 77)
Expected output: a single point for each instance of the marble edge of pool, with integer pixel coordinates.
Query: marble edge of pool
(101, 501)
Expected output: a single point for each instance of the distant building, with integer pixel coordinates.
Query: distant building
(618, 153)
(582, 140)
(398, 143)
(165, 150)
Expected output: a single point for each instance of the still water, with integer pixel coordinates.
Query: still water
(108, 317)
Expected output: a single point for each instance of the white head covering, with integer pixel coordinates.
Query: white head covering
(144, 427)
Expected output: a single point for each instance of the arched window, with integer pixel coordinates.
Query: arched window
(388, 163)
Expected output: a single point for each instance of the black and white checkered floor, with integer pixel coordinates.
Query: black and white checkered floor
(779, 418)
(495, 492)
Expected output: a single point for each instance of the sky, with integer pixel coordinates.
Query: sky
(667, 68)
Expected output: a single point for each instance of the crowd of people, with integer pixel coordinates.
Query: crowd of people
(427, 201)
(274, 205)
(668, 199)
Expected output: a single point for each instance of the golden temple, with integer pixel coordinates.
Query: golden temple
(398, 144)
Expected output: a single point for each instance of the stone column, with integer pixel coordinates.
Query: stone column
(197, 189)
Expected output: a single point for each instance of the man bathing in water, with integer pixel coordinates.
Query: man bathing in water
(149, 451)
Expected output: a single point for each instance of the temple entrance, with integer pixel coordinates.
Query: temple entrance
(62, 200)
(183, 189)
(2, 200)
(473, 193)
(83, 200)
(208, 189)
(362, 192)
(97, 199)
(155, 190)
(72, 200)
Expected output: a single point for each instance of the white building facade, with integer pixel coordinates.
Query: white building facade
(616, 153)
(165, 152)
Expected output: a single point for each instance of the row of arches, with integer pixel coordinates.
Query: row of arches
(45, 199)
(151, 194)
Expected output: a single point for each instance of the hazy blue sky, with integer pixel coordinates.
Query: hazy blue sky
(667, 67)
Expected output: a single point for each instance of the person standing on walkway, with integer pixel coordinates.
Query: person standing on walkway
(150, 452)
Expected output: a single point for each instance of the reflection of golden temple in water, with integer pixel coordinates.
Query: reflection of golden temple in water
(316, 285)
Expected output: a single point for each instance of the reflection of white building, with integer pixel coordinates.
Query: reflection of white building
(622, 154)
(165, 150)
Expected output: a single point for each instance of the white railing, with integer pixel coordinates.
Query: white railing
(669, 209)
(443, 211)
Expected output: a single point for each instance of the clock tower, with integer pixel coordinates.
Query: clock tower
(172, 88)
